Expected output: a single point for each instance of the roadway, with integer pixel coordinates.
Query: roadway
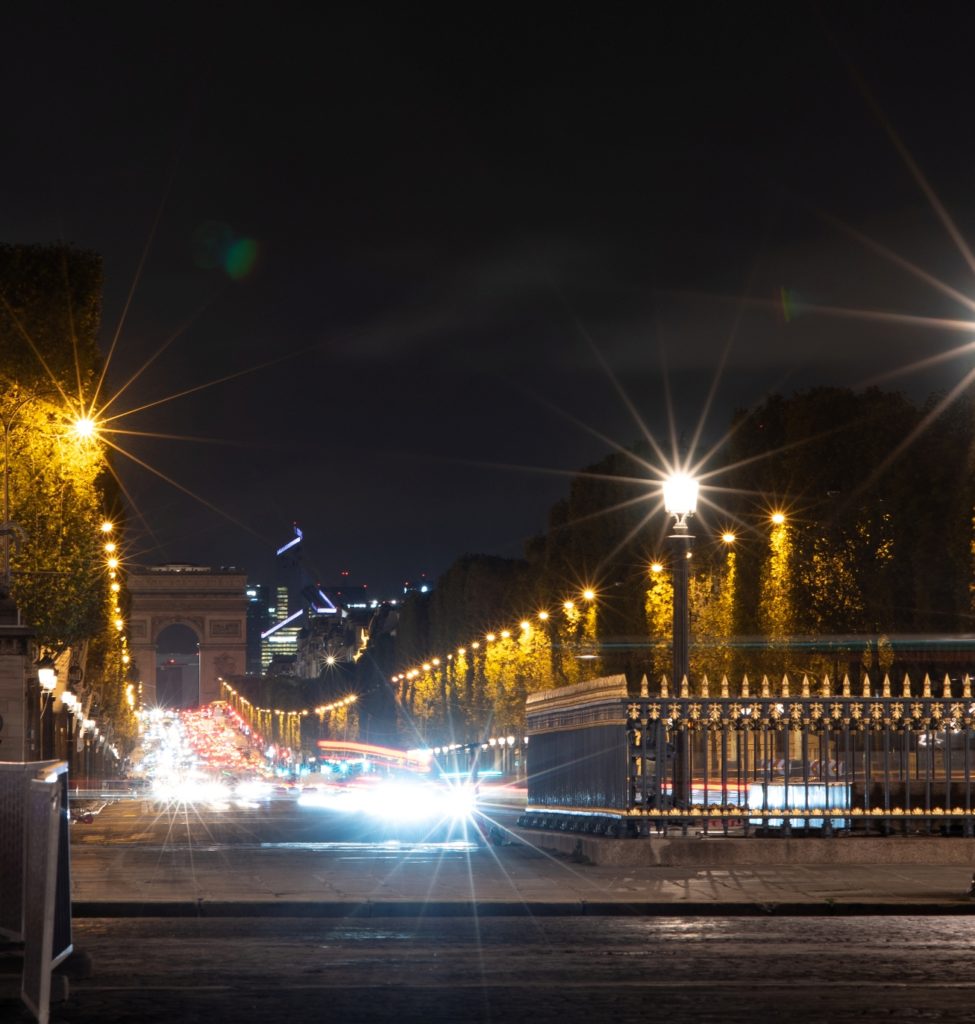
(276, 819)
(277, 912)
(542, 970)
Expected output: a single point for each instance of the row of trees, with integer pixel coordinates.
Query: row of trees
(875, 543)
(57, 483)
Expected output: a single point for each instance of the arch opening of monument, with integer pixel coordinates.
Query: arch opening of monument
(167, 601)
(177, 667)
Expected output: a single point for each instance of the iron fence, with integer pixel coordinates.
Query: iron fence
(872, 762)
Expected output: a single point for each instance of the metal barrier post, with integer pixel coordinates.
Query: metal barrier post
(40, 885)
(35, 871)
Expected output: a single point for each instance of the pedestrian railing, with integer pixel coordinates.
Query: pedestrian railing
(871, 762)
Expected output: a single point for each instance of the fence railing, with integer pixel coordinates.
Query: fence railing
(836, 762)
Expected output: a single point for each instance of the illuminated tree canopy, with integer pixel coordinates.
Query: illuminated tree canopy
(50, 308)
(57, 486)
(877, 539)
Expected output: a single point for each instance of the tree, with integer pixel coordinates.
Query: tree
(878, 538)
(878, 496)
(54, 481)
(57, 484)
(50, 308)
(599, 537)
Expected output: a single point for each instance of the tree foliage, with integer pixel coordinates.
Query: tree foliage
(878, 539)
(57, 486)
(50, 308)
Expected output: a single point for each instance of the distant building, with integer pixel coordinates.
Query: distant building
(281, 637)
(325, 641)
(258, 620)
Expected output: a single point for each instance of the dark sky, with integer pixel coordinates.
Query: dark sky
(435, 234)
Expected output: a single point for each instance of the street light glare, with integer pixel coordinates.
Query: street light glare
(680, 494)
(778, 518)
(728, 538)
(85, 427)
(589, 595)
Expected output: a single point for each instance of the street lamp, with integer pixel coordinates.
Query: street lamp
(47, 680)
(84, 427)
(46, 674)
(680, 501)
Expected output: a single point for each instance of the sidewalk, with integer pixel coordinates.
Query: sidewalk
(523, 877)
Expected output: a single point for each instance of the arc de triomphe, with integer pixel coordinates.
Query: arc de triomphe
(211, 602)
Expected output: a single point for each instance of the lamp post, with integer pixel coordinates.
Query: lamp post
(47, 679)
(680, 501)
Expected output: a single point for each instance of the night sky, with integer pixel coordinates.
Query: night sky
(441, 241)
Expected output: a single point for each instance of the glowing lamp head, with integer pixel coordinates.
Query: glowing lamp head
(107, 527)
(543, 616)
(84, 427)
(589, 595)
(778, 518)
(728, 537)
(656, 567)
(680, 495)
(46, 675)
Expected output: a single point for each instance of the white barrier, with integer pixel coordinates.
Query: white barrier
(35, 878)
(40, 884)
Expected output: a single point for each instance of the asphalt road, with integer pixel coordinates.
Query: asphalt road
(482, 968)
(280, 820)
(538, 970)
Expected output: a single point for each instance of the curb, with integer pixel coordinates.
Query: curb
(755, 852)
(508, 908)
